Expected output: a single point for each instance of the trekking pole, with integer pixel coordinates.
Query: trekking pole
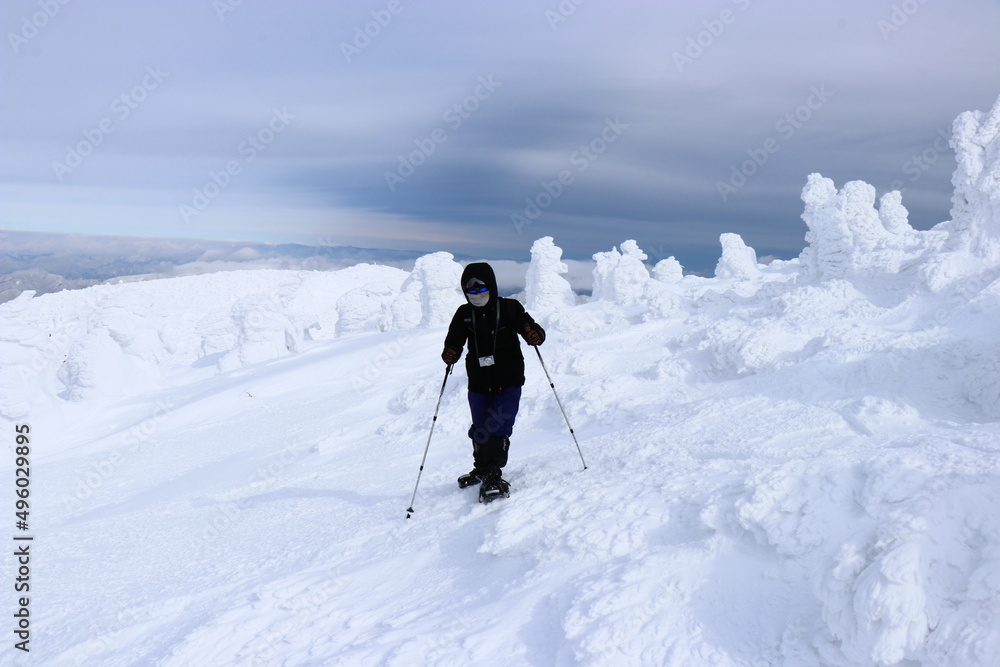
(409, 510)
(561, 407)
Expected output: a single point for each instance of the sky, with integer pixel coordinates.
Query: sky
(476, 128)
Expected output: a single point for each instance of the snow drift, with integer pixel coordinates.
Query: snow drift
(793, 463)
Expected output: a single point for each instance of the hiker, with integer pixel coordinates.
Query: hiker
(490, 325)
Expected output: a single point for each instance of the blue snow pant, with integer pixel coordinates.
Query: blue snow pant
(492, 423)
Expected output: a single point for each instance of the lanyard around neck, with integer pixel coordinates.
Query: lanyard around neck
(496, 329)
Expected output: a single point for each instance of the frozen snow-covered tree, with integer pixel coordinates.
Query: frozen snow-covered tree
(842, 225)
(848, 237)
(738, 261)
(263, 332)
(364, 308)
(668, 271)
(620, 277)
(97, 366)
(894, 216)
(828, 237)
(975, 210)
(430, 295)
(546, 291)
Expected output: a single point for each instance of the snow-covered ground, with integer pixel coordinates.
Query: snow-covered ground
(792, 464)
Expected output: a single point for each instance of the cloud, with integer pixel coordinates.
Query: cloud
(555, 83)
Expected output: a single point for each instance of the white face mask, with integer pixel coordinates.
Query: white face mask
(478, 300)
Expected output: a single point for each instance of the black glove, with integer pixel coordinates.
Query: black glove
(450, 355)
(534, 335)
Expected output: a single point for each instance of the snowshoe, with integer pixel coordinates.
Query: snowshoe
(493, 486)
(474, 476)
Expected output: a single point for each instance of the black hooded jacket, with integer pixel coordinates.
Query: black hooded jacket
(478, 327)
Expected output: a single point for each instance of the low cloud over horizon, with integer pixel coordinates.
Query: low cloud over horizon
(46, 262)
(477, 129)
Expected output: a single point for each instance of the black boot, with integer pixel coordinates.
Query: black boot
(474, 476)
(494, 486)
(480, 453)
(495, 452)
(495, 458)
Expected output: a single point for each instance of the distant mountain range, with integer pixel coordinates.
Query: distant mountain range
(50, 262)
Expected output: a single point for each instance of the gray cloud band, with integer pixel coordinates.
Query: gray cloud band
(121, 108)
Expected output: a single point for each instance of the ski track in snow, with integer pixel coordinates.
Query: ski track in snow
(794, 464)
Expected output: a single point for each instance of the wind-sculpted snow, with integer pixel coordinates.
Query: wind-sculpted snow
(792, 464)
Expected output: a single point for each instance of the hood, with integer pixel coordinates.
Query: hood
(484, 272)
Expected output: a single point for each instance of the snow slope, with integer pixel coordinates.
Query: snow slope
(791, 464)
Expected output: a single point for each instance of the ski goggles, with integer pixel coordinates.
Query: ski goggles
(477, 290)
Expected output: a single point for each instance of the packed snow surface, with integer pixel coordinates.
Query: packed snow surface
(788, 464)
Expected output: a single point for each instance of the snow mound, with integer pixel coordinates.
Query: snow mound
(366, 308)
(97, 365)
(264, 332)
